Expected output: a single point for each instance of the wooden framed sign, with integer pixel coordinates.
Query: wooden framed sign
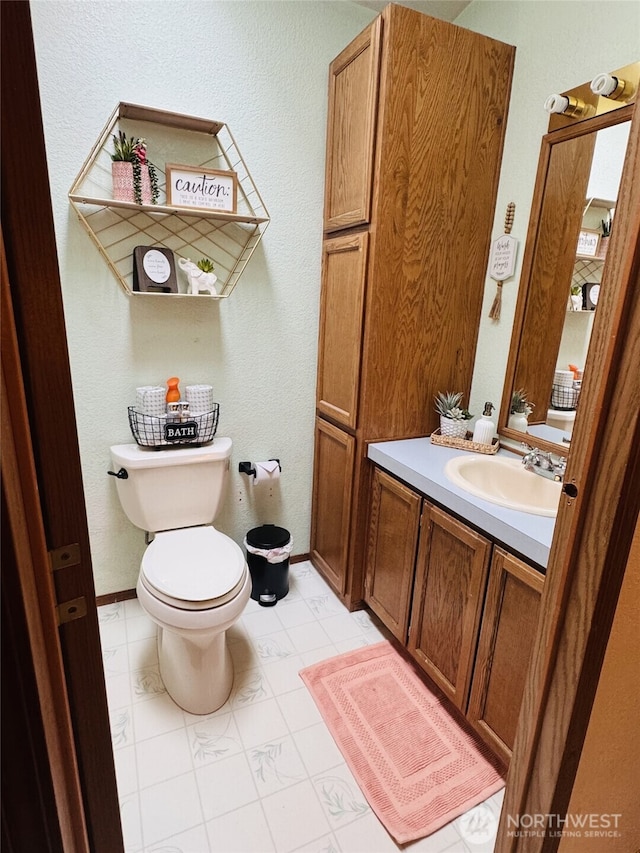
(154, 270)
(588, 242)
(201, 189)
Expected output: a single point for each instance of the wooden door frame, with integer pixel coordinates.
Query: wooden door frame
(32, 629)
(592, 534)
(48, 439)
(591, 543)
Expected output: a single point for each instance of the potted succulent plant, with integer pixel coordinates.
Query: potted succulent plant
(520, 410)
(576, 297)
(606, 233)
(200, 275)
(134, 177)
(454, 419)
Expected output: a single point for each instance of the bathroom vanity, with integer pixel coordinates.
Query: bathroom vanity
(457, 580)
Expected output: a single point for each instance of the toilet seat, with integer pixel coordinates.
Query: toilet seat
(194, 568)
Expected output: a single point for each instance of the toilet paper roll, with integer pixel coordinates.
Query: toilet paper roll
(266, 472)
(563, 377)
(199, 397)
(150, 400)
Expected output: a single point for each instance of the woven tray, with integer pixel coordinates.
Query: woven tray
(465, 443)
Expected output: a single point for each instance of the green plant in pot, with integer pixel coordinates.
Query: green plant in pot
(576, 297)
(205, 265)
(134, 178)
(454, 418)
(606, 233)
(520, 410)
(520, 404)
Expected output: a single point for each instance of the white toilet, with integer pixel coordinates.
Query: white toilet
(194, 581)
(562, 419)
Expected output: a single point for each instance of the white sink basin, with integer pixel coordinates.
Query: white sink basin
(505, 482)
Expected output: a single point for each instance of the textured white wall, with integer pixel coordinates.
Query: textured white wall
(559, 45)
(261, 67)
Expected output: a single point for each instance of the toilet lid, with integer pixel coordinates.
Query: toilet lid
(194, 568)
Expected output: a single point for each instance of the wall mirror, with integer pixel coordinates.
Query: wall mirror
(564, 266)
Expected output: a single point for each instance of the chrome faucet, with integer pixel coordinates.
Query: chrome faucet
(544, 464)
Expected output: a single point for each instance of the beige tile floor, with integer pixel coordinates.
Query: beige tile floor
(262, 774)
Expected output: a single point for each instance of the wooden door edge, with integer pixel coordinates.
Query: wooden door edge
(36, 583)
(590, 548)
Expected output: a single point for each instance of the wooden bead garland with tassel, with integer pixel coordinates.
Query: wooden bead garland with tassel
(502, 263)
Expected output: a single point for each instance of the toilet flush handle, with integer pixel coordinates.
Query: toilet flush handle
(122, 474)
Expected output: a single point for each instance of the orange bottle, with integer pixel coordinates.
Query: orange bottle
(173, 394)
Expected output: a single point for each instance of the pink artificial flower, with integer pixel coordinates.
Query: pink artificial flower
(140, 151)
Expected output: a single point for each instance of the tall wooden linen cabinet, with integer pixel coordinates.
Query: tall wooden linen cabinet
(416, 123)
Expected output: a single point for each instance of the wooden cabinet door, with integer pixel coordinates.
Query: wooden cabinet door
(332, 491)
(353, 97)
(394, 525)
(451, 574)
(341, 319)
(507, 633)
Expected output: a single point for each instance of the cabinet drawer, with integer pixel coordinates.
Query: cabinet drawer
(332, 492)
(341, 321)
(507, 634)
(451, 573)
(353, 97)
(394, 525)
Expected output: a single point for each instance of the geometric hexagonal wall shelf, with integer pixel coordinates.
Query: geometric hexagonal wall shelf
(117, 227)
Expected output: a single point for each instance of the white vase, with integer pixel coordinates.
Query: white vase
(454, 429)
(576, 302)
(518, 421)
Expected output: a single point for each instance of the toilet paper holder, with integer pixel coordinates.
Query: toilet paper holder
(249, 469)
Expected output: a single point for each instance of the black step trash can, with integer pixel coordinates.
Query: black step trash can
(268, 548)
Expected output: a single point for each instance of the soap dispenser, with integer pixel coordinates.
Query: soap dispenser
(485, 428)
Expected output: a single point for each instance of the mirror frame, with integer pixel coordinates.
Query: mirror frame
(559, 131)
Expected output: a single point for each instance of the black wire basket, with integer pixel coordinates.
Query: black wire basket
(565, 397)
(171, 431)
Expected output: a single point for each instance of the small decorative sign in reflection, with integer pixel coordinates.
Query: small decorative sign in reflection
(588, 242)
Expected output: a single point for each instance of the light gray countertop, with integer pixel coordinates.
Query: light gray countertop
(420, 463)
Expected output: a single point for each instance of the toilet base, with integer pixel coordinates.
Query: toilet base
(198, 673)
(195, 663)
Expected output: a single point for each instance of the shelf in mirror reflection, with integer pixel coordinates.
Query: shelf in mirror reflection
(579, 177)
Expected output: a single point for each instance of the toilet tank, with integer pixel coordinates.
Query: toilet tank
(173, 488)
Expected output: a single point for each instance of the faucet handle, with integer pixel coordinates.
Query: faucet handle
(531, 457)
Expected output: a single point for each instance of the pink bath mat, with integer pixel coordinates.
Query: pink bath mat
(417, 763)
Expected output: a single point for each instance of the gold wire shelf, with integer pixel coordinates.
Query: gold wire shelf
(117, 227)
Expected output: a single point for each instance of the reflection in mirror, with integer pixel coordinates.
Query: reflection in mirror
(597, 219)
(574, 207)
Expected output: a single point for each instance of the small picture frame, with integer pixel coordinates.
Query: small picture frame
(590, 294)
(588, 243)
(201, 189)
(154, 270)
